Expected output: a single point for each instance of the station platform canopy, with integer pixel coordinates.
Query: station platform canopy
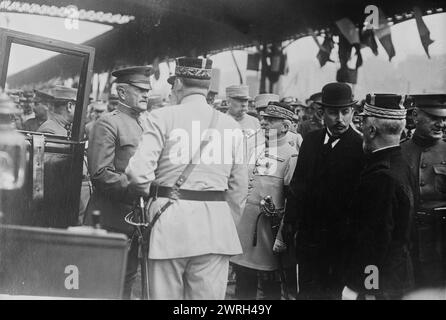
(147, 29)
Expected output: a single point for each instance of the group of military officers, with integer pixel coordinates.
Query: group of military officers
(343, 202)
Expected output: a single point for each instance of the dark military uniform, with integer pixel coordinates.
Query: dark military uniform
(56, 124)
(113, 142)
(56, 165)
(382, 212)
(426, 154)
(427, 161)
(32, 124)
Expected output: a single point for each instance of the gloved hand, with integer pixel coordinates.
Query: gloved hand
(279, 246)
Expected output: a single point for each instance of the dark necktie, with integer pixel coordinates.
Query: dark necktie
(331, 139)
(328, 146)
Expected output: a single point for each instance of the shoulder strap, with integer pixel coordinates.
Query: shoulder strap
(191, 165)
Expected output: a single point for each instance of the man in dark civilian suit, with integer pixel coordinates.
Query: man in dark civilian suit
(326, 175)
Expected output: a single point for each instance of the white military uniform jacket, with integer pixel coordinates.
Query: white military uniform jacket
(258, 138)
(269, 174)
(294, 139)
(192, 228)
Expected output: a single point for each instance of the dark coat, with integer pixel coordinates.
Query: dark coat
(56, 124)
(427, 160)
(382, 213)
(320, 194)
(113, 141)
(322, 184)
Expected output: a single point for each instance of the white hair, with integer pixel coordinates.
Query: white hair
(388, 126)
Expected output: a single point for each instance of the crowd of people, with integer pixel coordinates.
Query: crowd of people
(345, 198)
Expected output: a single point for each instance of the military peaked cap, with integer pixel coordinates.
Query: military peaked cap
(384, 106)
(135, 76)
(192, 68)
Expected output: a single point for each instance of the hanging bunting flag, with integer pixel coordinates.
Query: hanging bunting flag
(424, 32)
(253, 61)
(324, 53)
(385, 35)
(347, 75)
(358, 55)
(344, 50)
(368, 40)
(285, 65)
(286, 69)
(313, 35)
(386, 41)
(348, 30)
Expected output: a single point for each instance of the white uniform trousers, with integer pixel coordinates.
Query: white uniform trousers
(201, 277)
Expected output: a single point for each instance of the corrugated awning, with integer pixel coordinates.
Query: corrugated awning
(170, 28)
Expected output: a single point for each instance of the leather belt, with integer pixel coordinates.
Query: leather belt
(183, 194)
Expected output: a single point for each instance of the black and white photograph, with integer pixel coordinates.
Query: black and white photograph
(222, 156)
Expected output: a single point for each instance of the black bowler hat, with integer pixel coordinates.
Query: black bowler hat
(434, 104)
(384, 106)
(192, 68)
(135, 76)
(337, 95)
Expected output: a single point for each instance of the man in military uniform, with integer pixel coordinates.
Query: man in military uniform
(238, 96)
(261, 102)
(61, 102)
(299, 110)
(98, 108)
(258, 138)
(193, 239)
(382, 208)
(40, 112)
(222, 107)
(27, 105)
(294, 138)
(114, 139)
(327, 172)
(270, 173)
(62, 106)
(314, 119)
(426, 154)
